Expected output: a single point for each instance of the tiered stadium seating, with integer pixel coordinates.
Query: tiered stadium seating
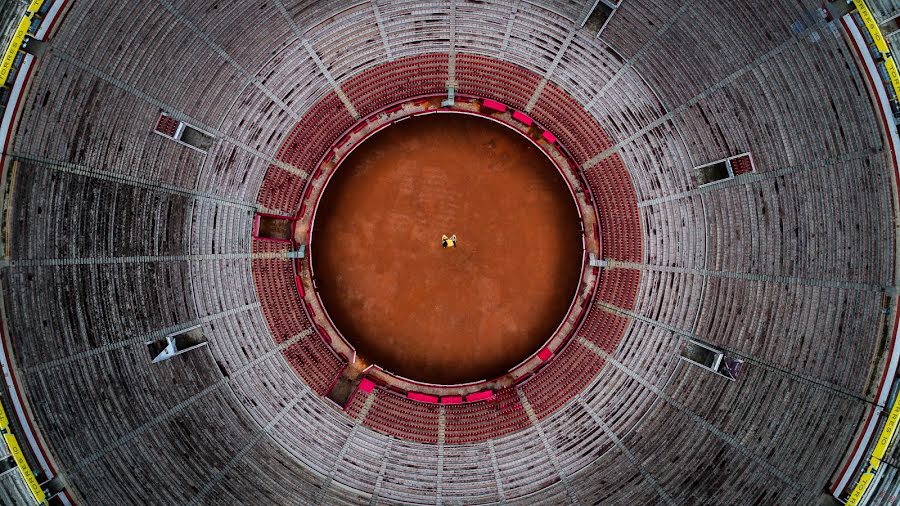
(116, 236)
(314, 134)
(353, 44)
(535, 37)
(558, 382)
(277, 294)
(282, 190)
(481, 29)
(416, 27)
(315, 362)
(570, 123)
(310, 356)
(486, 77)
(404, 418)
(619, 220)
(406, 77)
(618, 287)
(603, 329)
(471, 422)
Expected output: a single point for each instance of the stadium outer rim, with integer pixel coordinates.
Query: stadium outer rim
(554, 151)
(854, 462)
(45, 459)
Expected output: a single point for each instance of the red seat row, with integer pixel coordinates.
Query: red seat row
(468, 423)
(619, 287)
(577, 130)
(396, 415)
(741, 165)
(314, 134)
(377, 88)
(566, 375)
(356, 402)
(281, 190)
(486, 77)
(617, 204)
(278, 295)
(312, 358)
(167, 125)
(603, 329)
(315, 362)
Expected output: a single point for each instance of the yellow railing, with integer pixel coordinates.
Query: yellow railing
(6, 66)
(890, 426)
(19, 457)
(881, 446)
(880, 43)
(18, 37)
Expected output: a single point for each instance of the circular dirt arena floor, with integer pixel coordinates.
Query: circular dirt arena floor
(453, 315)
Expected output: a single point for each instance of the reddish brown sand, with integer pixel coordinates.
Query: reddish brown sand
(447, 315)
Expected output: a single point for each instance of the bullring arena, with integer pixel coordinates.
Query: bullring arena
(513, 252)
